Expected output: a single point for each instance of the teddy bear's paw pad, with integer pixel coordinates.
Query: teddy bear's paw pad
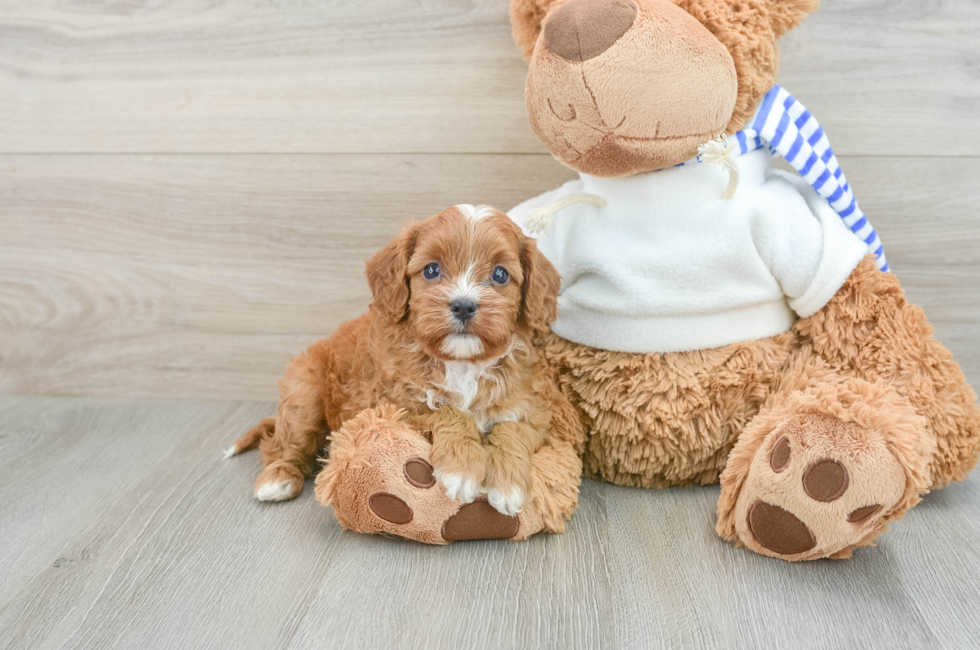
(390, 508)
(825, 480)
(780, 531)
(779, 458)
(863, 513)
(817, 487)
(479, 520)
(419, 473)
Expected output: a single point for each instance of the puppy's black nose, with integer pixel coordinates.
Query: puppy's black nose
(463, 309)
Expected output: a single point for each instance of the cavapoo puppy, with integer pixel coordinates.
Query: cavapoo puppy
(448, 341)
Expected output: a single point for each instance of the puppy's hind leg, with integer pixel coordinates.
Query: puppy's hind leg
(289, 454)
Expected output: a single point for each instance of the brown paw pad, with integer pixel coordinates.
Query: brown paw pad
(825, 480)
(779, 459)
(778, 530)
(479, 520)
(863, 513)
(419, 473)
(390, 508)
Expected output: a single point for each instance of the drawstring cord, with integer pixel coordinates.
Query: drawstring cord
(540, 218)
(720, 153)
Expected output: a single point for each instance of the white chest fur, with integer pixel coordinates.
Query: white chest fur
(460, 388)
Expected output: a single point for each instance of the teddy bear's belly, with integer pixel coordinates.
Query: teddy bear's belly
(658, 420)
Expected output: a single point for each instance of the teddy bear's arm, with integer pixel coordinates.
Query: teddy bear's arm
(803, 242)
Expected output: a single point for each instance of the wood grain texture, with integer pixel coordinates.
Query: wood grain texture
(199, 276)
(434, 76)
(141, 535)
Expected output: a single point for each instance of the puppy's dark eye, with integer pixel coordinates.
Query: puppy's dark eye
(432, 271)
(500, 275)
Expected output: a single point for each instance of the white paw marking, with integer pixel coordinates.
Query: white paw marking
(458, 488)
(231, 451)
(507, 503)
(274, 491)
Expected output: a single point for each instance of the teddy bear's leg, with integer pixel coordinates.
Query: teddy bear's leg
(379, 479)
(657, 420)
(869, 330)
(823, 471)
(871, 412)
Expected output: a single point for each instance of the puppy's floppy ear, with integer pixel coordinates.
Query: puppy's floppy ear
(787, 14)
(539, 306)
(525, 22)
(387, 276)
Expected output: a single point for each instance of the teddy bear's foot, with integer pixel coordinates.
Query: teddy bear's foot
(817, 486)
(379, 480)
(824, 481)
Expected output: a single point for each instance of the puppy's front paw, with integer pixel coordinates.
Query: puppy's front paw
(508, 481)
(458, 457)
(507, 502)
(458, 487)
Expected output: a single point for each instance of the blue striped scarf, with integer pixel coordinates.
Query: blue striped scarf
(794, 133)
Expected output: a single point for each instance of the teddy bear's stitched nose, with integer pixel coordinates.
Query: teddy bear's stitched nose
(580, 30)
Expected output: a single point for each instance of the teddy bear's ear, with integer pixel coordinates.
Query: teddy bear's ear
(525, 22)
(787, 14)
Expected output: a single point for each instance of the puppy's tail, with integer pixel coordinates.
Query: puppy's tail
(253, 437)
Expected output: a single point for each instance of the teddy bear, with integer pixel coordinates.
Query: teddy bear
(722, 321)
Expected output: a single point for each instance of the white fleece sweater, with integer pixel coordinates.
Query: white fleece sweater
(669, 266)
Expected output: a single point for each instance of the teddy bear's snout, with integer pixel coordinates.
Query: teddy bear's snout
(583, 29)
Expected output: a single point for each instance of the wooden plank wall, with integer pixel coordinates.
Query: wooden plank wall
(188, 189)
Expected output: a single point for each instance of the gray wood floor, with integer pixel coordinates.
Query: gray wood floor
(123, 527)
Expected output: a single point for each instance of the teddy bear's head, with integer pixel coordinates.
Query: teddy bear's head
(619, 87)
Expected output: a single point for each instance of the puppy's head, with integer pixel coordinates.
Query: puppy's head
(466, 282)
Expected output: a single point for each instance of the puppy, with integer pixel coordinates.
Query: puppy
(447, 340)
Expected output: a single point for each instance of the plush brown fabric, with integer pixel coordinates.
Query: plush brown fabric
(869, 330)
(870, 432)
(366, 482)
(525, 22)
(781, 455)
(478, 520)
(820, 436)
(749, 29)
(778, 530)
(865, 370)
(659, 420)
(634, 107)
(610, 103)
(826, 480)
(583, 29)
